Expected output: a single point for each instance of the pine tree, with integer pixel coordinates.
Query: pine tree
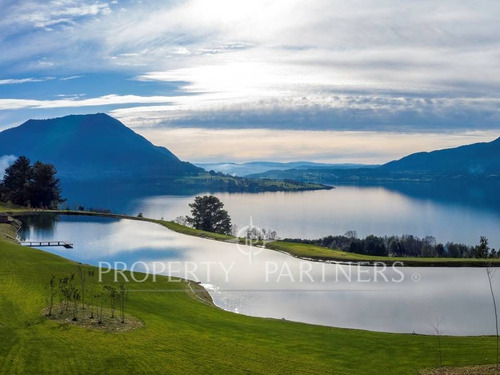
(209, 215)
(44, 189)
(16, 181)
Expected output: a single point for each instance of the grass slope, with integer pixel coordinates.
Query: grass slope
(183, 335)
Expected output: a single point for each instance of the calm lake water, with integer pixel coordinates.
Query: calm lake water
(270, 284)
(449, 213)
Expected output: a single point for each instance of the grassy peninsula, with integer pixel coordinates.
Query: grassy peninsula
(298, 250)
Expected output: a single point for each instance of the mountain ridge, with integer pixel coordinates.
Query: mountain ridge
(92, 146)
(97, 149)
(476, 158)
(477, 161)
(249, 168)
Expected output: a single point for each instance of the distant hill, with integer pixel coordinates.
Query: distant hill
(88, 147)
(479, 161)
(99, 150)
(475, 159)
(245, 169)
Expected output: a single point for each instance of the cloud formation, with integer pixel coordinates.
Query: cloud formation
(18, 81)
(75, 102)
(367, 65)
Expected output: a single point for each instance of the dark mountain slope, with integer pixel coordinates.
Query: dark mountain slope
(87, 147)
(478, 158)
(478, 162)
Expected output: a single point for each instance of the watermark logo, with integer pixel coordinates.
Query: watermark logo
(252, 240)
(140, 271)
(267, 272)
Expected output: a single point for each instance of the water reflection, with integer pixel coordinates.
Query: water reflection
(449, 212)
(367, 210)
(39, 226)
(276, 285)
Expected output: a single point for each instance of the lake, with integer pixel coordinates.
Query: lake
(457, 213)
(266, 283)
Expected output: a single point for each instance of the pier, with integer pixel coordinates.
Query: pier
(65, 244)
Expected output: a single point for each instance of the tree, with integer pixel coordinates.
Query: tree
(351, 234)
(44, 188)
(81, 273)
(209, 215)
(438, 335)
(91, 283)
(182, 220)
(35, 185)
(439, 249)
(123, 296)
(395, 247)
(490, 273)
(16, 181)
(52, 294)
(113, 296)
(375, 246)
(482, 250)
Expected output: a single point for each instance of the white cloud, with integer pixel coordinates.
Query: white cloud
(11, 104)
(17, 81)
(295, 55)
(322, 111)
(252, 60)
(70, 78)
(51, 13)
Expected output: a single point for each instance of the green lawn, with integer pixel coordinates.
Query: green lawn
(322, 253)
(183, 335)
(11, 207)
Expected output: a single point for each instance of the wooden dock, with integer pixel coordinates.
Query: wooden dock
(65, 244)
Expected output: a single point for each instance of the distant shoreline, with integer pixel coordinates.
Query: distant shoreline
(298, 250)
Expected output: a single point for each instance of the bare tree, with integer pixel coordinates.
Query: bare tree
(75, 295)
(438, 335)
(491, 273)
(81, 273)
(91, 285)
(52, 293)
(113, 295)
(181, 220)
(101, 297)
(66, 289)
(123, 296)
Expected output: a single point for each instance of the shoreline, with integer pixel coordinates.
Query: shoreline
(306, 252)
(200, 293)
(169, 321)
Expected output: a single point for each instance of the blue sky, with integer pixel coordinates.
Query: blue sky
(230, 80)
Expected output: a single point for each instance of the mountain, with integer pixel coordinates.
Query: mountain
(92, 151)
(92, 147)
(475, 159)
(245, 169)
(479, 162)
